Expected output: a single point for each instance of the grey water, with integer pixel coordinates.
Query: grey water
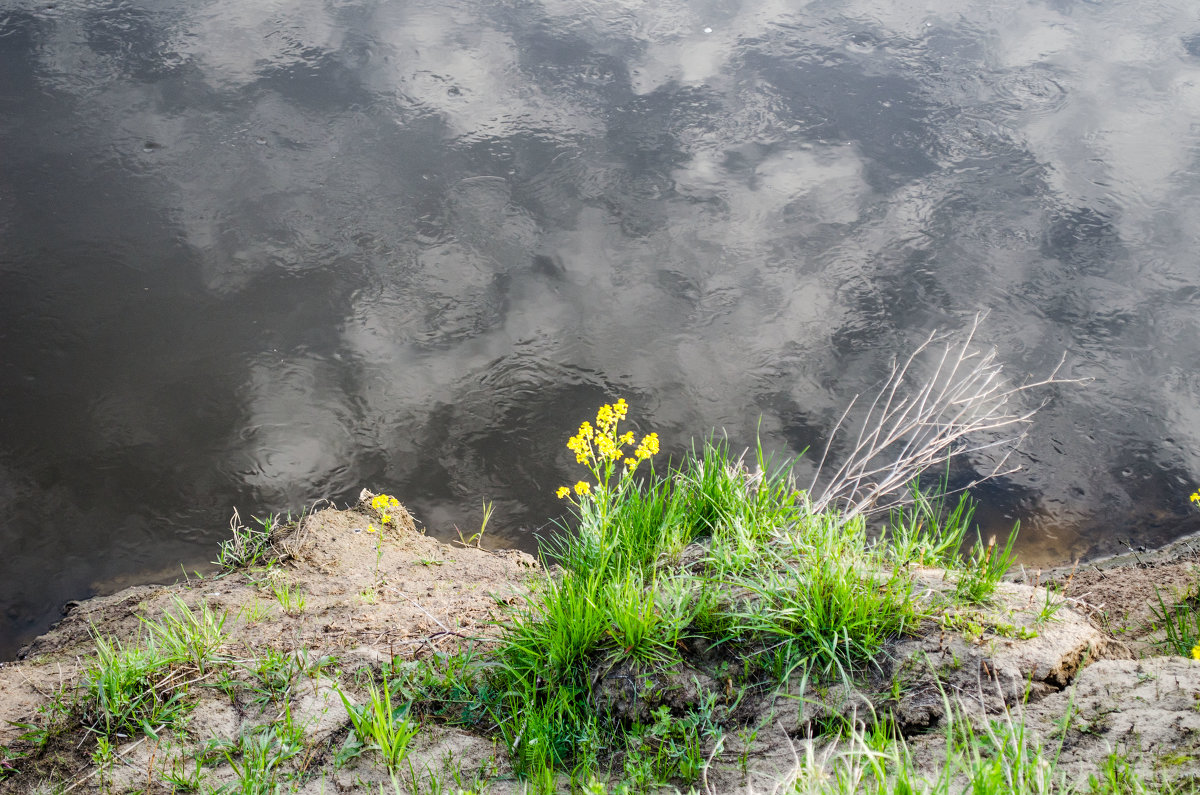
(256, 254)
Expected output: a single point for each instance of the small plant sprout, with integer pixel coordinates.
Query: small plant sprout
(255, 611)
(276, 674)
(186, 774)
(263, 751)
(981, 572)
(1051, 604)
(103, 758)
(476, 540)
(292, 598)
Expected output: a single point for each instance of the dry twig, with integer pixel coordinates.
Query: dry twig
(913, 425)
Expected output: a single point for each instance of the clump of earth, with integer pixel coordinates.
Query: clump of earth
(340, 599)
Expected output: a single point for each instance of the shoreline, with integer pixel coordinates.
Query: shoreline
(336, 600)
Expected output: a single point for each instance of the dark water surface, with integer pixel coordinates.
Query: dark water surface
(258, 253)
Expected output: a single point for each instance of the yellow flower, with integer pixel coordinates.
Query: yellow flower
(607, 449)
(1196, 652)
(381, 502)
(370, 528)
(601, 447)
(385, 518)
(647, 448)
(1196, 496)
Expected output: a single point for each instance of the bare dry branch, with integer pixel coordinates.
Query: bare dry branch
(913, 425)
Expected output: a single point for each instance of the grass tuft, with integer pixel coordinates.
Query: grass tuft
(184, 636)
(979, 573)
(1179, 624)
(249, 546)
(127, 690)
(380, 726)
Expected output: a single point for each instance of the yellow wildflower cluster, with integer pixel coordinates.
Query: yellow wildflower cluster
(581, 488)
(647, 448)
(600, 447)
(1196, 652)
(382, 503)
(1196, 496)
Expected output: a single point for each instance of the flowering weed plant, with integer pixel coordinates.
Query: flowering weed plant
(602, 449)
(383, 504)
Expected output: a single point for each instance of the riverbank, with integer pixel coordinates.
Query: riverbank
(260, 670)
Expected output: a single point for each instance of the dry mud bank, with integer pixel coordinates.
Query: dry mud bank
(340, 602)
(355, 599)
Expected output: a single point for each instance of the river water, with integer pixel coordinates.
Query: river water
(254, 254)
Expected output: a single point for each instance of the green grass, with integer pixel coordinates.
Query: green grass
(824, 616)
(716, 553)
(275, 674)
(187, 636)
(1000, 758)
(255, 611)
(715, 569)
(248, 546)
(929, 531)
(186, 774)
(380, 726)
(52, 719)
(1178, 623)
(292, 598)
(727, 554)
(980, 572)
(142, 687)
(1051, 604)
(668, 748)
(258, 759)
(128, 690)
